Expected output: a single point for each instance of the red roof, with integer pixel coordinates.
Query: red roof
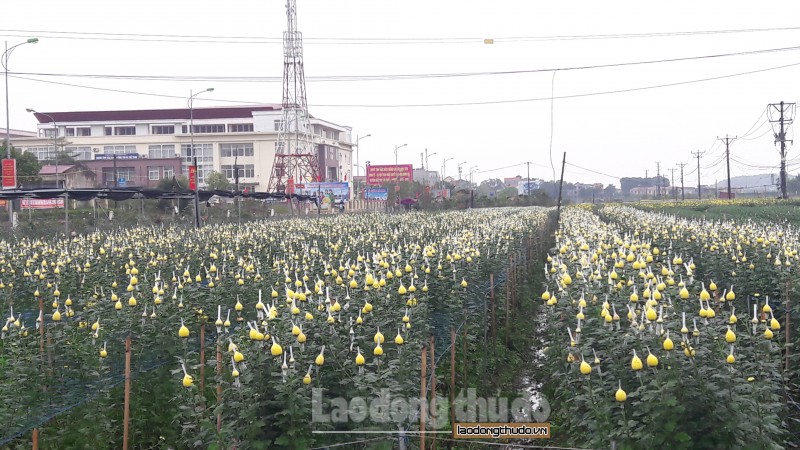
(228, 112)
(51, 170)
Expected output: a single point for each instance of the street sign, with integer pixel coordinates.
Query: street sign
(9, 173)
(122, 180)
(193, 178)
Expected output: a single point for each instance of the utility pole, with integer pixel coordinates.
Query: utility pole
(728, 141)
(697, 155)
(561, 187)
(528, 183)
(672, 185)
(786, 111)
(238, 197)
(658, 179)
(683, 197)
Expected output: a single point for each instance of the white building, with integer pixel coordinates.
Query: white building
(245, 134)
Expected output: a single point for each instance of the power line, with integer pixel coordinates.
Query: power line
(617, 91)
(394, 77)
(375, 40)
(593, 171)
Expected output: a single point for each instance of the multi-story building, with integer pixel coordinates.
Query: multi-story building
(224, 137)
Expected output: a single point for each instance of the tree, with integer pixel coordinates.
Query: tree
(493, 185)
(217, 181)
(28, 167)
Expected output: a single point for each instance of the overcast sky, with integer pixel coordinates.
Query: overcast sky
(619, 134)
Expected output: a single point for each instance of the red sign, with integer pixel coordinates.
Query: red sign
(9, 173)
(3, 203)
(290, 186)
(389, 173)
(193, 178)
(36, 203)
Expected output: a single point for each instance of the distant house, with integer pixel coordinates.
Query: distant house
(66, 176)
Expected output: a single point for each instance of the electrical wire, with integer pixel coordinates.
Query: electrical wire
(593, 171)
(382, 40)
(492, 102)
(394, 77)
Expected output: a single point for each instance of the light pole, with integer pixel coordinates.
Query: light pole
(397, 147)
(472, 170)
(427, 165)
(191, 141)
(4, 61)
(358, 149)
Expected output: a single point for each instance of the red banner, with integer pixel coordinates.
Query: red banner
(290, 186)
(193, 178)
(389, 173)
(9, 173)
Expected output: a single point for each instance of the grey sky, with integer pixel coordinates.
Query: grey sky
(620, 134)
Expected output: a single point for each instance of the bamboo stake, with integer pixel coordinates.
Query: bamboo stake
(41, 328)
(423, 398)
(452, 380)
(494, 321)
(788, 327)
(219, 385)
(127, 406)
(508, 296)
(203, 358)
(433, 391)
(35, 439)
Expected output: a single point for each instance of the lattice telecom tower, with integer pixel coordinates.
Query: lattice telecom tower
(296, 160)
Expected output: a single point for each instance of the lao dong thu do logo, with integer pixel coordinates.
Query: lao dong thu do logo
(468, 407)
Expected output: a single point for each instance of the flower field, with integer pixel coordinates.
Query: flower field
(671, 332)
(227, 329)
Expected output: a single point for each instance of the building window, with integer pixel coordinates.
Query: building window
(232, 150)
(80, 153)
(204, 129)
(108, 131)
(278, 124)
(169, 172)
(42, 153)
(163, 129)
(279, 146)
(245, 171)
(161, 151)
(154, 173)
(121, 176)
(240, 127)
(79, 131)
(205, 159)
(124, 131)
(119, 149)
(48, 132)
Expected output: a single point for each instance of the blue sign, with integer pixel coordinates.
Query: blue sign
(375, 193)
(122, 180)
(109, 156)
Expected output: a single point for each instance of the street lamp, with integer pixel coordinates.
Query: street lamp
(396, 147)
(55, 137)
(192, 153)
(472, 170)
(459, 169)
(4, 61)
(358, 149)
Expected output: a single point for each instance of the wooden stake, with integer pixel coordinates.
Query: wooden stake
(433, 391)
(508, 296)
(41, 328)
(423, 398)
(202, 358)
(35, 439)
(219, 385)
(452, 380)
(787, 325)
(126, 414)
(494, 321)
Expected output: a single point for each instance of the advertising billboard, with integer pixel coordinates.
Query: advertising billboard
(376, 193)
(331, 191)
(389, 173)
(9, 173)
(41, 203)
